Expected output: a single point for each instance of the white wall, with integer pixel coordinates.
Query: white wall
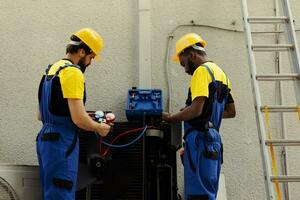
(34, 33)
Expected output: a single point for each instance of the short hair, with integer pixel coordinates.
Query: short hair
(71, 48)
(189, 49)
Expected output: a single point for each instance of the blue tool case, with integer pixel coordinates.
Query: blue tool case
(142, 103)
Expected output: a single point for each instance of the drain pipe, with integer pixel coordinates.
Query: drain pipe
(144, 43)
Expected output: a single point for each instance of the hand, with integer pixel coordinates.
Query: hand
(166, 117)
(181, 151)
(103, 129)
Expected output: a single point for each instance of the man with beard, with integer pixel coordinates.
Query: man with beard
(209, 100)
(61, 109)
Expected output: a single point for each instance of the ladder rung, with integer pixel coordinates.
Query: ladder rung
(283, 142)
(265, 32)
(268, 20)
(285, 178)
(277, 77)
(272, 47)
(280, 108)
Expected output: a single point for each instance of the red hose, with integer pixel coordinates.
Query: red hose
(121, 135)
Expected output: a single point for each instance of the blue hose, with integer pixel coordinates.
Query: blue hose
(128, 144)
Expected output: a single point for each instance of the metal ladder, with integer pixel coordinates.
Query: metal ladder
(292, 48)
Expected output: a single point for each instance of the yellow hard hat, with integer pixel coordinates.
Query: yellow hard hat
(92, 39)
(186, 41)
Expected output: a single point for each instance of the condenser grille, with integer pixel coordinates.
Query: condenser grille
(132, 156)
(6, 191)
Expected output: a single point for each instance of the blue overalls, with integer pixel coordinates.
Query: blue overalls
(57, 148)
(203, 154)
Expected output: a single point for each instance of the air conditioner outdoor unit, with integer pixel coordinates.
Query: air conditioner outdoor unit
(19, 182)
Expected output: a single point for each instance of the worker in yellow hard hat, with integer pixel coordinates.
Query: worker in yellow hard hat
(209, 100)
(61, 109)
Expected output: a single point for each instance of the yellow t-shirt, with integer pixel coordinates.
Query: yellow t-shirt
(201, 79)
(71, 79)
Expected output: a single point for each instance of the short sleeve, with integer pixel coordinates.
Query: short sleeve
(200, 83)
(72, 83)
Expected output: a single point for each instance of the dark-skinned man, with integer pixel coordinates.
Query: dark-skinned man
(61, 109)
(209, 100)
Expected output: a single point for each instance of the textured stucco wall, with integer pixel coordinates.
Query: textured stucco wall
(35, 32)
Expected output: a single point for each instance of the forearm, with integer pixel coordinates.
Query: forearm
(85, 122)
(80, 117)
(187, 114)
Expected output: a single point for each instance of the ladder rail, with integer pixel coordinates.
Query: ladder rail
(283, 155)
(259, 118)
(293, 40)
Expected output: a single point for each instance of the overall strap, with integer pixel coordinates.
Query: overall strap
(210, 72)
(212, 75)
(47, 69)
(63, 67)
(60, 68)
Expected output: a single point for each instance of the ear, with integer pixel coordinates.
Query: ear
(192, 55)
(81, 52)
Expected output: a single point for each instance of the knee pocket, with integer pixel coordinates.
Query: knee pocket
(63, 183)
(57, 166)
(210, 166)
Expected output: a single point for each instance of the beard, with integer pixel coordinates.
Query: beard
(191, 67)
(82, 64)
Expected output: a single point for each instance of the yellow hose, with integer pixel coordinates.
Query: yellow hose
(274, 168)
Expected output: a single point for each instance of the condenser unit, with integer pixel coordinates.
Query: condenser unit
(19, 182)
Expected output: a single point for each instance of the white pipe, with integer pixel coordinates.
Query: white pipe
(144, 43)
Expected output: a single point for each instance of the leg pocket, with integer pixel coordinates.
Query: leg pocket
(63, 183)
(209, 166)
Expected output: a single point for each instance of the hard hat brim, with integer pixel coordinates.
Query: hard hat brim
(175, 58)
(97, 58)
